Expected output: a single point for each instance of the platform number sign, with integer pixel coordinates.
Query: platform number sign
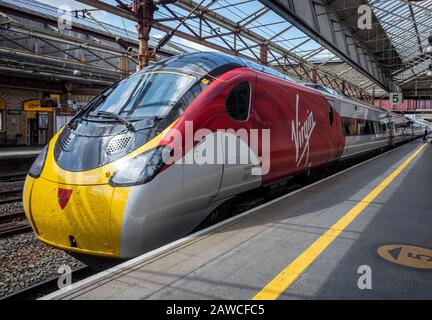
(407, 255)
(396, 98)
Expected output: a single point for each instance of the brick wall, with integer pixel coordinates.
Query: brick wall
(406, 105)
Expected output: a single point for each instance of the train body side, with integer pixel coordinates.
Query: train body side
(365, 128)
(305, 128)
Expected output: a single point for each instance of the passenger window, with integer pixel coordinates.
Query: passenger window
(361, 125)
(369, 128)
(377, 127)
(238, 102)
(350, 126)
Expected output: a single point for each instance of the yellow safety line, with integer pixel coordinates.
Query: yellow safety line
(284, 279)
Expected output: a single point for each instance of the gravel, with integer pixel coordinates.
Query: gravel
(13, 207)
(24, 261)
(13, 185)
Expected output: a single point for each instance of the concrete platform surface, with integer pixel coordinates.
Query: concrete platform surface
(11, 152)
(293, 248)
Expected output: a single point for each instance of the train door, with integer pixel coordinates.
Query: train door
(202, 175)
(43, 119)
(391, 133)
(32, 131)
(240, 159)
(336, 123)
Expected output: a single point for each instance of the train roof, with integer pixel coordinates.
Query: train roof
(202, 63)
(336, 94)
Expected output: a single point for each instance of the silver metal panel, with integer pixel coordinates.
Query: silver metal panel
(163, 211)
(178, 200)
(357, 145)
(355, 109)
(237, 176)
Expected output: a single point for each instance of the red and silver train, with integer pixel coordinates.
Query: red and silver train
(102, 186)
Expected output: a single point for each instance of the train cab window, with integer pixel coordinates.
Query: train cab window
(238, 102)
(190, 96)
(331, 116)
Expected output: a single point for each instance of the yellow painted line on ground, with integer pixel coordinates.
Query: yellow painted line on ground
(284, 279)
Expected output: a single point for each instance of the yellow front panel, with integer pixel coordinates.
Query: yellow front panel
(94, 213)
(53, 172)
(87, 217)
(26, 199)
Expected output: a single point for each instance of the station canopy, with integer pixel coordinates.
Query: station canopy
(409, 25)
(304, 52)
(241, 27)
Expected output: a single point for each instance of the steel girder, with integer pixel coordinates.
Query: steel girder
(46, 52)
(43, 50)
(245, 40)
(320, 21)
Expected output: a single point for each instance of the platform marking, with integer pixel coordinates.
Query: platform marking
(406, 255)
(285, 278)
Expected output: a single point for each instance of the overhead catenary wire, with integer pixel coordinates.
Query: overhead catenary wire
(122, 42)
(170, 34)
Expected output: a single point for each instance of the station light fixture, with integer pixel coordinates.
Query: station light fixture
(429, 72)
(429, 47)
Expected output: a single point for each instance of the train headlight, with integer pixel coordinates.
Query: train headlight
(37, 166)
(139, 170)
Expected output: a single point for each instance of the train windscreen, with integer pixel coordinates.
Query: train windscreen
(151, 94)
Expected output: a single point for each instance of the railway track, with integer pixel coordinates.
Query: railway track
(14, 228)
(251, 200)
(11, 216)
(10, 196)
(48, 286)
(13, 177)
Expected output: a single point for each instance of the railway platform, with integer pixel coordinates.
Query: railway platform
(16, 160)
(17, 152)
(364, 233)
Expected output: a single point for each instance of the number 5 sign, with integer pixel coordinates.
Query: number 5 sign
(396, 98)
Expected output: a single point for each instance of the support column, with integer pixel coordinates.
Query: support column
(264, 53)
(314, 75)
(124, 66)
(144, 13)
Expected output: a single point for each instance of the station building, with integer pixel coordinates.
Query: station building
(47, 74)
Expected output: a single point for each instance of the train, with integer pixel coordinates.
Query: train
(125, 177)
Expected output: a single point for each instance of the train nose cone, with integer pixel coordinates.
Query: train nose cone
(63, 196)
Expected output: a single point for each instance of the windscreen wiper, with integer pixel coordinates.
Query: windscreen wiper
(95, 101)
(116, 116)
